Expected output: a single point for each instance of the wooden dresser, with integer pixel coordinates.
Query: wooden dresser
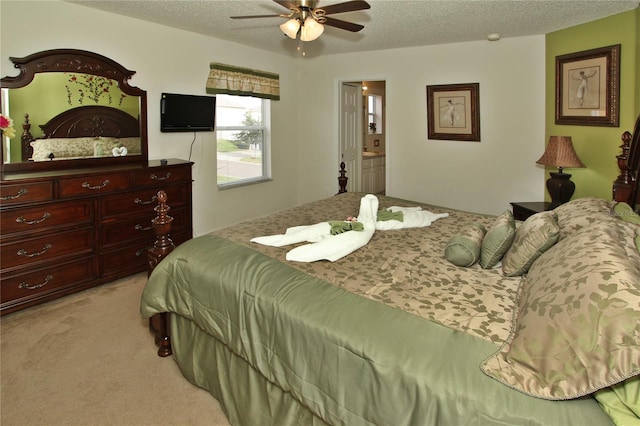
(68, 230)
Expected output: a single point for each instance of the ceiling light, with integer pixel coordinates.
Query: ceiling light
(311, 29)
(290, 28)
(493, 36)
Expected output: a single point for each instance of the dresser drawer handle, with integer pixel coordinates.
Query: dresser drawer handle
(20, 193)
(142, 251)
(34, 221)
(154, 177)
(145, 203)
(37, 286)
(142, 228)
(23, 252)
(102, 185)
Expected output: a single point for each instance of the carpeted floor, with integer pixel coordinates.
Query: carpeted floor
(89, 359)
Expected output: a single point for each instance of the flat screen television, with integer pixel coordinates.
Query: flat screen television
(187, 113)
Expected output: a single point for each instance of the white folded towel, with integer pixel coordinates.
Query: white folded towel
(333, 247)
(413, 217)
(337, 246)
(404, 209)
(297, 234)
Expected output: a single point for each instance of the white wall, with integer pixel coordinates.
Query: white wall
(480, 177)
(473, 176)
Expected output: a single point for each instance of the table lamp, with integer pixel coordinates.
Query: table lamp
(560, 153)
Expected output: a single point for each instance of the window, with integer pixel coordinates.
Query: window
(374, 117)
(242, 129)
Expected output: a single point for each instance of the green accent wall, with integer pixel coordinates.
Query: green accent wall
(596, 146)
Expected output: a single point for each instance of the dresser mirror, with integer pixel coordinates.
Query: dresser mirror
(72, 109)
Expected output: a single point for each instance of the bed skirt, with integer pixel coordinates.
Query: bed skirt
(246, 397)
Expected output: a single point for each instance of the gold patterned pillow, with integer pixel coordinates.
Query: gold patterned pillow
(535, 236)
(580, 213)
(578, 317)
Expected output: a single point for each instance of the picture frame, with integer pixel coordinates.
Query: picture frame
(453, 112)
(588, 87)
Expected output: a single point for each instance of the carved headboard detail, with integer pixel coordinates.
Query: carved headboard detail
(86, 121)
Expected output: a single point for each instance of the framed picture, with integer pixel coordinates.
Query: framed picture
(588, 87)
(453, 112)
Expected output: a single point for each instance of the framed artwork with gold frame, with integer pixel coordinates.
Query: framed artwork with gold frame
(588, 87)
(453, 112)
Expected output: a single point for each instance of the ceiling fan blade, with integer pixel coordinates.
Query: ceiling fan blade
(287, 4)
(257, 16)
(349, 6)
(344, 25)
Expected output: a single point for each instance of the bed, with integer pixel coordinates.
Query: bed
(468, 319)
(84, 132)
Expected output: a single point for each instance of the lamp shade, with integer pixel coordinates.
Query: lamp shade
(311, 29)
(560, 153)
(290, 28)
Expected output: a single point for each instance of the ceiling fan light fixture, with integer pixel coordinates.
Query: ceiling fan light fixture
(311, 29)
(290, 28)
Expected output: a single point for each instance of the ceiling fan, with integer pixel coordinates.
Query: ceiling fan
(308, 20)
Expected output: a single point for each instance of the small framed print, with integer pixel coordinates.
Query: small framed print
(588, 87)
(453, 112)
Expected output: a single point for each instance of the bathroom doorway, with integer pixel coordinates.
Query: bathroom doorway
(363, 141)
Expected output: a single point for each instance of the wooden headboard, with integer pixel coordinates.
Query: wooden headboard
(86, 121)
(625, 187)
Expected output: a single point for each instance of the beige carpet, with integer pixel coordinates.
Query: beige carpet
(89, 359)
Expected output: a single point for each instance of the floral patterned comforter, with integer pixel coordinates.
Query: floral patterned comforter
(405, 269)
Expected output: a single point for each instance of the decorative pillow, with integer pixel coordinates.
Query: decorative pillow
(498, 240)
(581, 212)
(62, 148)
(132, 144)
(463, 249)
(620, 401)
(626, 213)
(535, 236)
(577, 327)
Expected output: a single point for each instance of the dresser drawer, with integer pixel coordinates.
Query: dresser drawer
(161, 175)
(94, 185)
(130, 229)
(25, 193)
(46, 280)
(46, 216)
(46, 247)
(141, 201)
(132, 258)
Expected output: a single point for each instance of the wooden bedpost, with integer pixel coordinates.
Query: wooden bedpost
(162, 228)
(342, 179)
(623, 185)
(26, 138)
(158, 324)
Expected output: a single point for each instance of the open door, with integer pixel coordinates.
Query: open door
(351, 133)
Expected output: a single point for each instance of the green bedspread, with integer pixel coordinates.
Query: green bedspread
(346, 359)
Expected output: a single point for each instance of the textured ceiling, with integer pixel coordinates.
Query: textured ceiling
(388, 24)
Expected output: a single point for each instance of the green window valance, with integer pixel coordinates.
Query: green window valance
(231, 80)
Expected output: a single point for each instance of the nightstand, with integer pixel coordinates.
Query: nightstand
(521, 211)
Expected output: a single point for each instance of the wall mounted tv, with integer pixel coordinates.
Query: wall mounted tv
(187, 113)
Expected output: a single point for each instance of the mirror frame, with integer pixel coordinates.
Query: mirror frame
(80, 61)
